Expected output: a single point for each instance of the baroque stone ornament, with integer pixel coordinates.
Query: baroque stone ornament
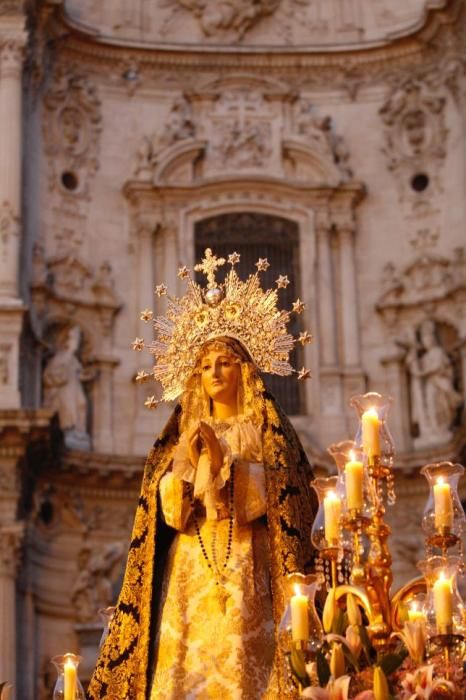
(234, 17)
(71, 128)
(11, 539)
(415, 137)
(9, 229)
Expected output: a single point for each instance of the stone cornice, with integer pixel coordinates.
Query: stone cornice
(416, 49)
(139, 192)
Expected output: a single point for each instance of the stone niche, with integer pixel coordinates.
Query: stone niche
(424, 310)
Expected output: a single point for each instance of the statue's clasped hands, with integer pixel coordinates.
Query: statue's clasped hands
(202, 436)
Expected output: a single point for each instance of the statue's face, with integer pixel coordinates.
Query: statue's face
(220, 375)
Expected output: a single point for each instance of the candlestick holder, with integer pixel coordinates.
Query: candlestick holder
(327, 534)
(374, 440)
(308, 587)
(67, 685)
(443, 607)
(444, 521)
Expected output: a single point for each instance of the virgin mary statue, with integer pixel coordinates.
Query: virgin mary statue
(225, 511)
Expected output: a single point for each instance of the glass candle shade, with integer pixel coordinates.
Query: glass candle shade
(300, 626)
(444, 519)
(373, 436)
(326, 530)
(106, 615)
(443, 607)
(352, 482)
(68, 685)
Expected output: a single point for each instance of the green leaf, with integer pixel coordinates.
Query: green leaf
(350, 657)
(298, 666)
(366, 642)
(338, 626)
(323, 669)
(390, 662)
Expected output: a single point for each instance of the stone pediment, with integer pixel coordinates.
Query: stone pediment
(429, 279)
(266, 24)
(176, 165)
(240, 128)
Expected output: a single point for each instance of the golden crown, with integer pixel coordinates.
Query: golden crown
(237, 309)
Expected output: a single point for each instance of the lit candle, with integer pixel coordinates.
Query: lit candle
(354, 473)
(370, 424)
(443, 603)
(443, 504)
(414, 614)
(332, 512)
(70, 678)
(299, 616)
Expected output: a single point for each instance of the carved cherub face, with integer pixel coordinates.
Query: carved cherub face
(220, 375)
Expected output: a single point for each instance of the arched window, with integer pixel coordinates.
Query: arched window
(256, 236)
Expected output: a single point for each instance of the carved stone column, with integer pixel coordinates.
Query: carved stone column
(145, 233)
(327, 321)
(349, 341)
(349, 300)
(12, 42)
(10, 548)
(102, 440)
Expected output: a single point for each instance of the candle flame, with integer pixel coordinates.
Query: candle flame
(331, 495)
(414, 606)
(297, 590)
(440, 480)
(372, 411)
(352, 456)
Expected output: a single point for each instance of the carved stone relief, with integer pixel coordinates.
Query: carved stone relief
(93, 588)
(9, 228)
(11, 538)
(228, 17)
(415, 139)
(180, 125)
(242, 128)
(5, 350)
(71, 128)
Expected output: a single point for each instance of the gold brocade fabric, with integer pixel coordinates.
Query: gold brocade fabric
(216, 640)
(125, 666)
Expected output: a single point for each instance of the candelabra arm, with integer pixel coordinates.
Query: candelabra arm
(409, 590)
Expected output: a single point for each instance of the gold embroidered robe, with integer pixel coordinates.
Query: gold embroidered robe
(216, 632)
(124, 669)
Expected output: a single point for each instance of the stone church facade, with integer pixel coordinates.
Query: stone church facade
(326, 135)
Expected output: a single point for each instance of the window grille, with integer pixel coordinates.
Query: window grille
(255, 236)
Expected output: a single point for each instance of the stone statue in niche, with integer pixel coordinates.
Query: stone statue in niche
(63, 379)
(434, 399)
(93, 588)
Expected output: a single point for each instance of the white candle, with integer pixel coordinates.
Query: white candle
(70, 678)
(443, 504)
(370, 424)
(443, 603)
(354, 473)
(414, 614)
(299, 616)
(332, 513)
